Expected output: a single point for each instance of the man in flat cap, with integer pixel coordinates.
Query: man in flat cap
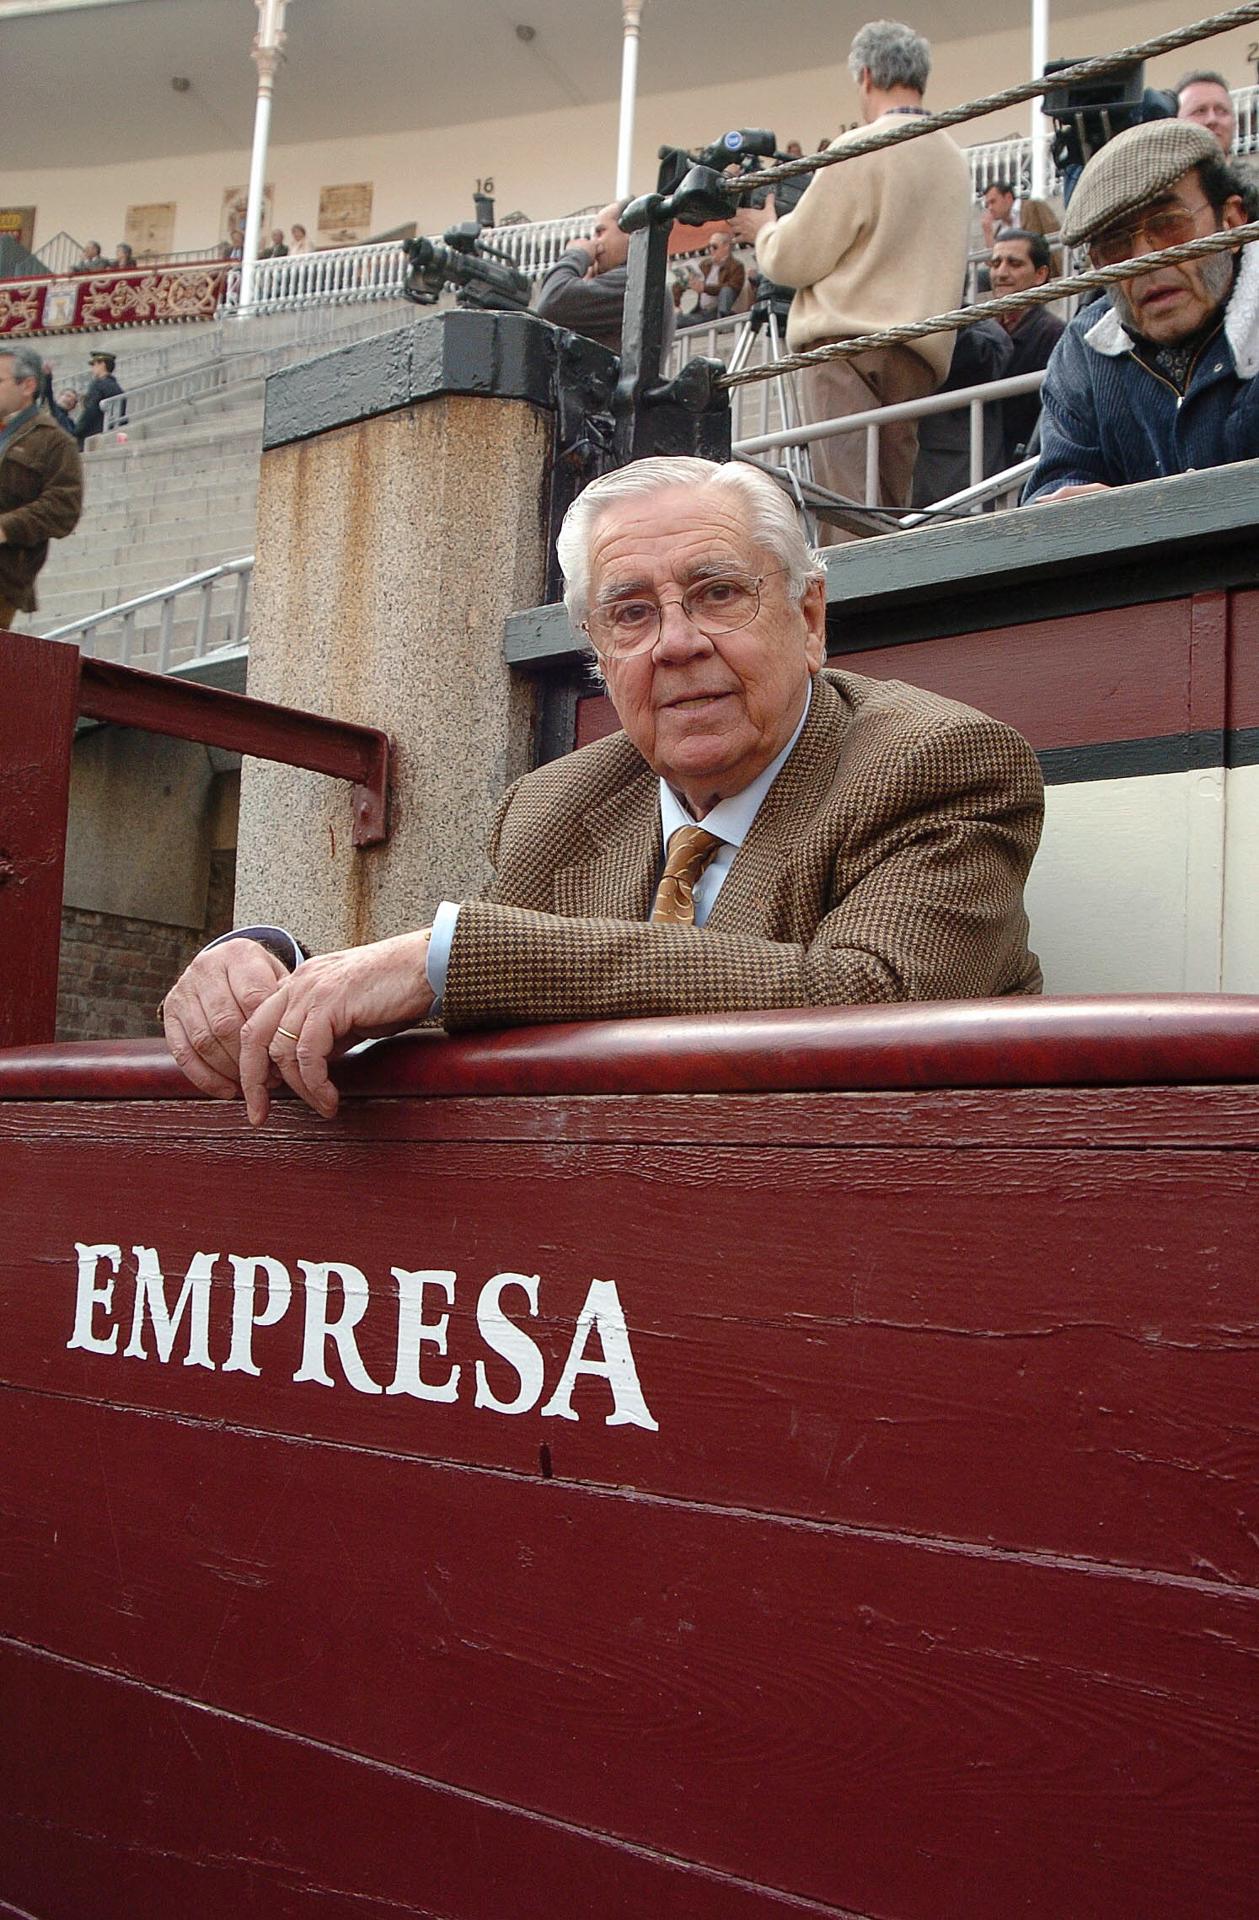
(1163, 377)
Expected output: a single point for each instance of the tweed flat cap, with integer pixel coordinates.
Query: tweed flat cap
(1133, 169)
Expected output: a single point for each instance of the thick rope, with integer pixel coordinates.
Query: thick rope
(914, 126)
(1221, 242)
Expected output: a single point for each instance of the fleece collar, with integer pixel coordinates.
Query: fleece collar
(1241, 321)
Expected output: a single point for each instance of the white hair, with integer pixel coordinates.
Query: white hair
(772, 520)
(27, 363)
(895, 55)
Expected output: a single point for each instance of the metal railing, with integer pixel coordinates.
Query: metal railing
(222, 372)
(973, 400)
(216, 621)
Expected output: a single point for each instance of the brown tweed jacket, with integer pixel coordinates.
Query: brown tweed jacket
(886, 863)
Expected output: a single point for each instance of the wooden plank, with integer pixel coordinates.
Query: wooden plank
(1055, 680)
(39, 686)
(829, 1341)
(119, 1802)
(1042, 1119)
(867, 1721)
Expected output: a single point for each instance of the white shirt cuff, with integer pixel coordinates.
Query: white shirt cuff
(440, 941)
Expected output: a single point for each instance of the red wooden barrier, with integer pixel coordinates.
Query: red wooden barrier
(44, 687)
(531, 1502)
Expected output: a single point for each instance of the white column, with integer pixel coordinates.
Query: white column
(268, 51)
(632, 14)
(1040, 143)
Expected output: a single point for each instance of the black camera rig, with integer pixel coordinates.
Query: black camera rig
(1088, 113)
(482, 276)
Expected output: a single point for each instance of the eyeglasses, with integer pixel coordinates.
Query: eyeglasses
(722, 604)
(1172, 226)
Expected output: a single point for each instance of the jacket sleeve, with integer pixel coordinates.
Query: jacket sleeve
(568, 299)
(1070, 450)
(932, 909)
(803, 246)
(55, 510)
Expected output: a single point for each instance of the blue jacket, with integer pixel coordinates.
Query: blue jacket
(1106, 416)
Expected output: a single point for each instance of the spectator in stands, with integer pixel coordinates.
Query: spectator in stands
(103, 387)
(1019, 261)
(719, 286)
(1004, 209)
(235, 243)
(61, 413)
(41, 481)
(91, 261)
(872, 243)
(1168, 377)
(278, 250)
(1203, 96)
(585, 289)
(981, 352)
(300, 243)
(862, 841)
(794, 150)
(124, 259)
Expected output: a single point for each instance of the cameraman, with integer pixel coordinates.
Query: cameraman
(585, 289)
(874, 243)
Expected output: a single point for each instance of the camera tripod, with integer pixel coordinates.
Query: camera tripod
(768, 316)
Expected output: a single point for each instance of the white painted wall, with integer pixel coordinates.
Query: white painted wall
(1149, 885)
(549, 164)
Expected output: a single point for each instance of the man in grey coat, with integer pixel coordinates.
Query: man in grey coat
(585, 289)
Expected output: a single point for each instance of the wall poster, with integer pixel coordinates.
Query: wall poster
(345, 214)
(150, 231)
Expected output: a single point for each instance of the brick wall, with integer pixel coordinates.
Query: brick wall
(114, 970)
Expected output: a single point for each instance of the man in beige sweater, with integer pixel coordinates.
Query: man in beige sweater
(873, 242)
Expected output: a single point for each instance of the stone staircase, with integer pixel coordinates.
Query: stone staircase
(155, 512)
(179, 495)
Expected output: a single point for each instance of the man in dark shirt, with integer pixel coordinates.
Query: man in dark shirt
(585, 289)
(1020, 260)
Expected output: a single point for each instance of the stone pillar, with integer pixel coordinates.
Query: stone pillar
(402, 514)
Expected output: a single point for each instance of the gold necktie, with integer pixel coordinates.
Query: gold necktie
(690, 850)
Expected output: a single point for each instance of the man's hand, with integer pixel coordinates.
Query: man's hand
(326, 1006)
(209, 1004)
(586, 246)
(747, 222)
(1070, 493)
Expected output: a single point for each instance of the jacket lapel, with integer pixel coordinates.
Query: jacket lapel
(616, 876)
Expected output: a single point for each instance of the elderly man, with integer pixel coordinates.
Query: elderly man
(41, 481)
(1203, 97)
(861, 840)
(718, 286)
(1165, 379)
(1021, 260)
(874, 242)
(585, 289)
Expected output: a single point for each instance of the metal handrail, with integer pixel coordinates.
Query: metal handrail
(84, 630)
(972, 399)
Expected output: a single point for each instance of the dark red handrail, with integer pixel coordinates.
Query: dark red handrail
(1131, 1040)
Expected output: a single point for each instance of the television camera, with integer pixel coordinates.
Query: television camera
(482, 276)
(1088, 113)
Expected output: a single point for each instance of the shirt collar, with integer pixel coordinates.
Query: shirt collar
(731, 819)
